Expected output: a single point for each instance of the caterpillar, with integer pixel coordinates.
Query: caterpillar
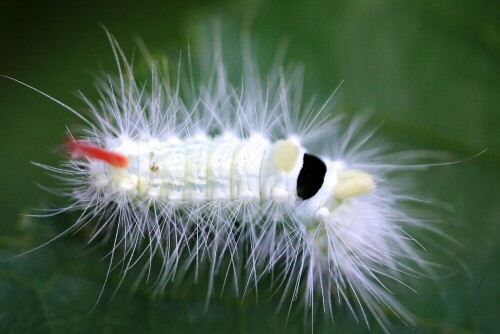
(245, 179)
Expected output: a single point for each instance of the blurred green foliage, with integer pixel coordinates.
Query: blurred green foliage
(428, 71)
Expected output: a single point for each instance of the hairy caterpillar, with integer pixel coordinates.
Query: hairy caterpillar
(199, 173)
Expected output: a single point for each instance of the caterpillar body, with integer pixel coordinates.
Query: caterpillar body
(195, 173)
(226, 169)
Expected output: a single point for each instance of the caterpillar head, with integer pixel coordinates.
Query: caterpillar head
(325, 185)
(322, 185)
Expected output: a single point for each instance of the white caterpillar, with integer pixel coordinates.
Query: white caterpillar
(214, 174)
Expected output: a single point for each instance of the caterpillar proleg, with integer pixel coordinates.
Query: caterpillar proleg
(245, 179)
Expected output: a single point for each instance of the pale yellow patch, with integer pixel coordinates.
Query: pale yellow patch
(285, 154)
(353, 183)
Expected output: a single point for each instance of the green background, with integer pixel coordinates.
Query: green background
(428, 71)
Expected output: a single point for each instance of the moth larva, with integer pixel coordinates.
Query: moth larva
(194, 173)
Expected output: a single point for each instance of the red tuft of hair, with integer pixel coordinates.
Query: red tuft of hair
(80, 149)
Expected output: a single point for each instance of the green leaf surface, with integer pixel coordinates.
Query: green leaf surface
(428, 72)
